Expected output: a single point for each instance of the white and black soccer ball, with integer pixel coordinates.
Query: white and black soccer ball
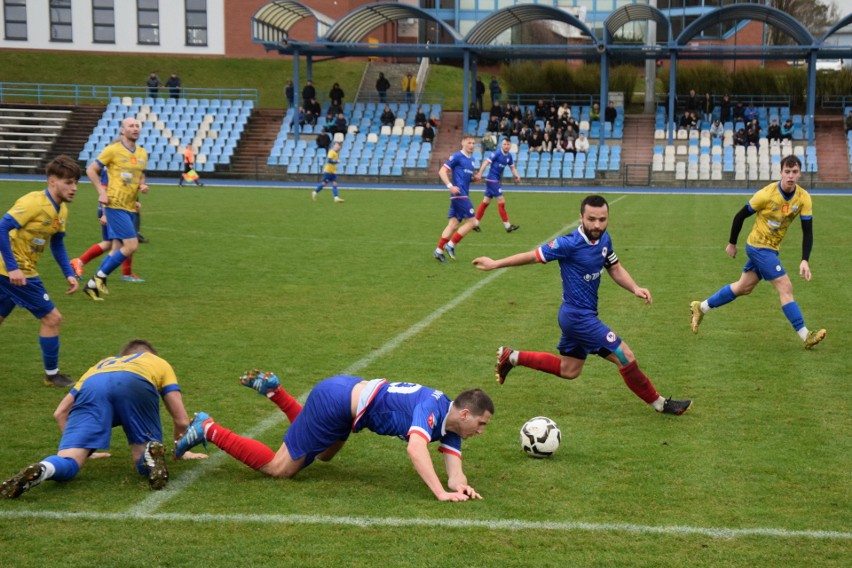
(540, 437)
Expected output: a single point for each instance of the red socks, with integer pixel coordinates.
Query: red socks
(94, 252)
(481, 210)
(285, 401)
(127, 266)
(251, 452)
(540, 361)
(456, 238)
(442, 242)
(501, 208)
(636, 381)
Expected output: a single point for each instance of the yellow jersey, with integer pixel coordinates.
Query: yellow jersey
(152, 368)
(775, 212)
(125, 170)
(331, 160)
(40, 218)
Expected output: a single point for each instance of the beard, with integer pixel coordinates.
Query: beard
(593, 234)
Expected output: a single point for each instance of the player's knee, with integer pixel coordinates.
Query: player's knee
(53, 320)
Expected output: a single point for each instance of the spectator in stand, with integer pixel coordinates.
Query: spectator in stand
(515, 128)
(323, 140)
(849, 122)
(301, 117)
(751, 113)
(564, 112)
(567, 143)
(773, 133)
(493, 124)
(496, 91)
(738, 114)
(740, 138)
(334, 108)
(505, 127)
(153, 83)
(174, 85)
(581, 144)
(310, 118)
(529, 118)
(388, 117)
(428, 134)
(610, 114)
(787, 130)
(335, 95)
(420, 117)
(289, 94)
(315, 108)
(340, 124)
(540, 110)
(328, 124)
(473, 112)
(687, 121)
(409, 86)
(595, 113)
(496, 110)
(382, 86)
(692, 101)
(309, 93)
(707, 107)
(516, 112)
(725, 109)
(546, 144)
(480, 92)
(717, 130)
(524, 135)
(433, 120)
(536, 139)
(753, 132)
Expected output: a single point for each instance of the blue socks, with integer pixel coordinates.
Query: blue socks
(111, 262)
(66, 468)
(724, 296)
(49, 352)
(794, 315)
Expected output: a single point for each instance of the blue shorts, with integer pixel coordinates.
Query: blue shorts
(325, 419)
(32, 297)
(110, 399)
(121, 224)
(327, 177)
(493, 188)
(461, 208)
(584, 334)
(764, 262)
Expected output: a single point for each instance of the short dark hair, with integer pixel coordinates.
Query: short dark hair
(790, 161)
(476, 401)
(593, 201)
(137, 345)
(64, 167)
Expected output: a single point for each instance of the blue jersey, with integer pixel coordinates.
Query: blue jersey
(499, 161)
(581, 264)
(406, 409)
(462, 169)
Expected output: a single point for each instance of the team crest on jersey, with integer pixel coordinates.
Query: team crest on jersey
(604, 252)
(431, 420)
(610, 337)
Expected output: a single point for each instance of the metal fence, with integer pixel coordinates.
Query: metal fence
(41, 93)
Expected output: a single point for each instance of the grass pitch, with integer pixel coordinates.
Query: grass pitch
(757, 473)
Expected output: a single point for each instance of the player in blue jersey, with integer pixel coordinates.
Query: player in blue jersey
(118, 391)
(498, 160)
(330, 173)
(456, 174)
(583, 255)
(35, 222)
(340, 405)
(776, 205)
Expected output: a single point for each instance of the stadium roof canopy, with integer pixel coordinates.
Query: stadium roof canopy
(271, 23)
(354, 27)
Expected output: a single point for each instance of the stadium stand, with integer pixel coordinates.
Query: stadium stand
(212, 127)
(27, 134)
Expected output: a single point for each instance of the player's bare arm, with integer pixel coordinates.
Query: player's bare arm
(805, 270)
(174, 405)
(418, 452)
(63, 410)
(520, 259)
(456, 479)
(621, 277)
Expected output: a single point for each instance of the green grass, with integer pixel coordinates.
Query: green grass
(268, 76)
(244, 277)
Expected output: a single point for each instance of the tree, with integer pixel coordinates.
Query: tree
(816, 15)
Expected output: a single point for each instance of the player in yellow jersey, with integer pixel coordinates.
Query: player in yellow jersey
(776, 205)
(118, 391)
(330, 173)
(125, 163)
(36, 222)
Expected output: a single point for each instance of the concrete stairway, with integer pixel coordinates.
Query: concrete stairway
(253, 150)
(832, 150)
(637, 149)
(74, 135)
(447, 141)
(394, 72)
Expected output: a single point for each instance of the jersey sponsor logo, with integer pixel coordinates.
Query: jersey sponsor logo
(553, 245)
(593, 276)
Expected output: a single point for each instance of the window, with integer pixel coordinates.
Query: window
(60, 20)
(15, 17)
(196, 22)
(103, 21)
(148, 21)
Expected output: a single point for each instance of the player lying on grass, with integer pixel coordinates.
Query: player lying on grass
(343, 404)
(118, 391)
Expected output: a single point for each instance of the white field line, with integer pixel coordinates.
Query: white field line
(499, 525)
(156, 499)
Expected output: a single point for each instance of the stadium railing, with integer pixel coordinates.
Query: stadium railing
(47, 93)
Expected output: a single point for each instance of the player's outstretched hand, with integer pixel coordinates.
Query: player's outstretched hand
(464, 493)
(483, 263)
(193, 456)
(73, 284)
(731, 250)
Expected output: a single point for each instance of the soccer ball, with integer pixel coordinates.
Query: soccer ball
(540, 437)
